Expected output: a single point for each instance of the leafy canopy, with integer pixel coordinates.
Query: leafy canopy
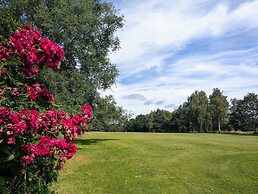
(84, 29)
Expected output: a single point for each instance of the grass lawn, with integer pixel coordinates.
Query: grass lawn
(161, 163)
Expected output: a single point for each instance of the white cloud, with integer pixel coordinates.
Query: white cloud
(134, 97)
(156, 29)
(148, 29)
(176, 90)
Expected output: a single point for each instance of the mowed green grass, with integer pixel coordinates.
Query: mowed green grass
(161, 163)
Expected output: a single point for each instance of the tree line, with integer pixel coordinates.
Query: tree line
(201, 113)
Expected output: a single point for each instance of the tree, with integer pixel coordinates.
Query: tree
(138, 124)
(160, 120)
(149, 123)
(218, 108)
(244, 113)
(108, 116)
(84, 29)
(155, 121)
(72, 91)
(198, 111)
(180, 121)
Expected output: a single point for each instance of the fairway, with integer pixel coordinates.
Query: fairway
(161, 163)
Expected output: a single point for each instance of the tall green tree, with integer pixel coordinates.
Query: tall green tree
(198, 111)
(234, 122)
(138, 124)
(84, 29)
(108, 116)
(218, 109)
(149, 123)
(180, 119)
(244, 115)
(160, 120)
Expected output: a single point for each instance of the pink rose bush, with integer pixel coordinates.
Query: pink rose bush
(35, 139)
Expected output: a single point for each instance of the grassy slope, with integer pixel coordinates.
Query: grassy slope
(162, 163)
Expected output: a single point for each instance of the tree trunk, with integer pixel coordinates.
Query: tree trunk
(219, 126)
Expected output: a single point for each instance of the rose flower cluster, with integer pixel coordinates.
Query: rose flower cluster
(4, 53)
(47, 147)
(34, 50)
(34, 135)
(37, 93)
(49, 125)
(34, 93)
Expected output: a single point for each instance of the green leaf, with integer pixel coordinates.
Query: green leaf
(10, 157)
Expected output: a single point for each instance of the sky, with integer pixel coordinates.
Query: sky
(171, 48)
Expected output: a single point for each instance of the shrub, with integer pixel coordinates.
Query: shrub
(35, 139)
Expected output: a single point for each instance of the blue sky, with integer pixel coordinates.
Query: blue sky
(169, 49)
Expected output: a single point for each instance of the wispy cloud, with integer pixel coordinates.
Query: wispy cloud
(171, 48)
(149, 102)
(170, 106)
(134, 97)
(160, 102)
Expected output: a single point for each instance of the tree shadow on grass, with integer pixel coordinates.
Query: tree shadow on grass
(91, 141)
(242, 134)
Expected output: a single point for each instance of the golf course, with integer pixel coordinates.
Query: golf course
(135, 163)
